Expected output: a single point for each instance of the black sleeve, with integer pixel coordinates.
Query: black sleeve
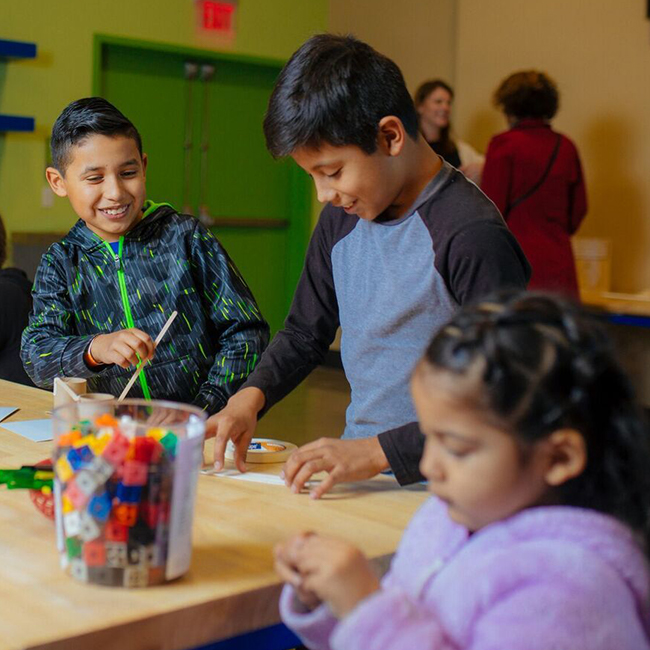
(484, 257)
(403, 448)
(309, 328)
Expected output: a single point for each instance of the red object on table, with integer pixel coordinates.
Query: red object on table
(43, 502)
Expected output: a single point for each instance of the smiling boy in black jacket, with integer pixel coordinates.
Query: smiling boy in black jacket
(111, 284)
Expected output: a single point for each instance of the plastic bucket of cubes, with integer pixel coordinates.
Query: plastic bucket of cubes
(124, 490)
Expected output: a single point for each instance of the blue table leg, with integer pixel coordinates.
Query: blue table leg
(276, 637)
(629, 319)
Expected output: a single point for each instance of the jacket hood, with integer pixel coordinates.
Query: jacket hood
(18, 277)
(612, 541)
(145, 229)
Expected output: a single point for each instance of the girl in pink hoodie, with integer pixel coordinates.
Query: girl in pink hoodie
(535, 536)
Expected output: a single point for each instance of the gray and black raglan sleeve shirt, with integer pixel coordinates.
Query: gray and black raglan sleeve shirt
(390, 285)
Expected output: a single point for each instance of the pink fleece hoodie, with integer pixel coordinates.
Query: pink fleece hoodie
(548, 578)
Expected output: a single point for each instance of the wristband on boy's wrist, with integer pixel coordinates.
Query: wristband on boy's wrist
(88, 356)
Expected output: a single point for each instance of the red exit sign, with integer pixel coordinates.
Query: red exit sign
(217, 16)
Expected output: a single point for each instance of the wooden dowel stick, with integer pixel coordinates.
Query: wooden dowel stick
(166, 326)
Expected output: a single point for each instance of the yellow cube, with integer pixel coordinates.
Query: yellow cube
(63, 469)
(157, 433)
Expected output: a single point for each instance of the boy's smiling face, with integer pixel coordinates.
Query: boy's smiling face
(351, 179)
(105, 183)
(368, 185)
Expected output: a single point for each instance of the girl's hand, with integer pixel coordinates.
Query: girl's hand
(335, 571)
(288, 572)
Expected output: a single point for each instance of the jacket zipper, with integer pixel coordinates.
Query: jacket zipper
(117, 257)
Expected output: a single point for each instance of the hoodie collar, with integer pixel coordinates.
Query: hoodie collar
(148, 225)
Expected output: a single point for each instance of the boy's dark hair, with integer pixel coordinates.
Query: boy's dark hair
(84, 117)
(528, 93)
(3, 243)
(445, 142)
(335, 90)
(544, 364)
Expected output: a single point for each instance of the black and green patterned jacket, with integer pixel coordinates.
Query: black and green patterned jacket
(166, 262)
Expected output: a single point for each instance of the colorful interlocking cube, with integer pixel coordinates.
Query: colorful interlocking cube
(135, 473)
(100, 506)
(94, 553)
(116, 449)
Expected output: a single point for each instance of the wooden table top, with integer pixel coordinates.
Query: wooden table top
(231, 587)
(619, 303)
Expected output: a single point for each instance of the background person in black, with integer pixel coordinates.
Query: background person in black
(15, 305)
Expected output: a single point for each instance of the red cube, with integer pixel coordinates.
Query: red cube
(116, 450)
(94, 553)
(126, 514)
(116, 531)
(135, 473)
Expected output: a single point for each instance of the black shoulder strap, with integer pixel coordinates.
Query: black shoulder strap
(537, 185)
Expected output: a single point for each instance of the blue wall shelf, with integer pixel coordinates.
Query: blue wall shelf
(17, 50)
(16, 123)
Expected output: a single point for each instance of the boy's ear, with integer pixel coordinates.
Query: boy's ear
(391, 135)
(145, 160)
(56, 181)
(567, 456)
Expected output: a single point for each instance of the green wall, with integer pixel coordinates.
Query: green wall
(63, 72)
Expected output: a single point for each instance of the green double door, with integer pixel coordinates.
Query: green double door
(200, 115)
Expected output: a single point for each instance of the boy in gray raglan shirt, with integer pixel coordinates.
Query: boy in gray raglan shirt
(403, 241)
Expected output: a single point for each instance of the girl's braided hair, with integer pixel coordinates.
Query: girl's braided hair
(544, 364)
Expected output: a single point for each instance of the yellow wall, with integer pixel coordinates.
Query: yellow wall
(419, 35)
(597, 50)
(63, 70)
(599, 53)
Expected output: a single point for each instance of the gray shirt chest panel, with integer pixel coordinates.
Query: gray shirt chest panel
(391, 299)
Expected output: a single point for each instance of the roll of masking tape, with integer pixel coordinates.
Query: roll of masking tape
(263, 450)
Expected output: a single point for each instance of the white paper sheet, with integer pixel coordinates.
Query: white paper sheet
(6, 411)
(257, 477)
(36, 430)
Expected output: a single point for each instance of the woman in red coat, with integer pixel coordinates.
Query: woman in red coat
(533, 175)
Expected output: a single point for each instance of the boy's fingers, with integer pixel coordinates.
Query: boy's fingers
(125, 355)
(211, 425)
(297, 459)
(307, 470)
(139, 346)
(221, 437)
(324, 486)
(291, 466)
(143, 336)
(241, 448)
(145, 343)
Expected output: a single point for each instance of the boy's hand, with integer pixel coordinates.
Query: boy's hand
(343, 460)
(328, 570)
(123, 348)
(236, 422)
